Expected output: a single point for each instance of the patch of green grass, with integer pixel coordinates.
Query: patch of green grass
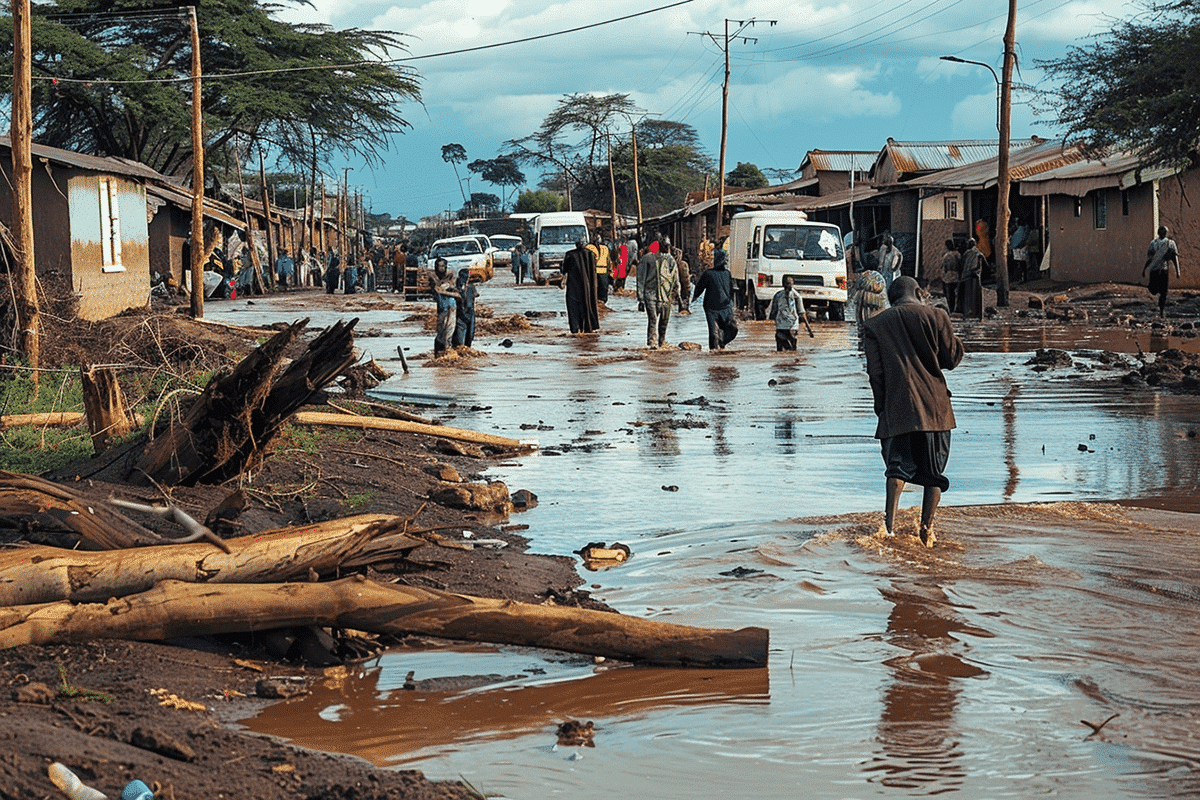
(299, 437)
(68, 689)
(38, 449)
(360, 499)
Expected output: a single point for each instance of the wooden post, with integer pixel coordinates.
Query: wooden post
(197, 239)
(637, 187)
(724, 137)
(28, 314)
(1004, 181)
(272, 253)
(259, 283)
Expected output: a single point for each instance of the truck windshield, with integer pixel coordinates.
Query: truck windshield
(564, 234)
(802, 241)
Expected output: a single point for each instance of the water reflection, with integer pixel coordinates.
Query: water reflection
(363, 714)
(920, 750)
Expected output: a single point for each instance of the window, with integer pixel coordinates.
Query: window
(110, 226)
(1124, 204)
(1100, 210)
(1079, 206)
(952, 208)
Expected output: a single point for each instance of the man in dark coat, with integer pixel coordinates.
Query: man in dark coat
(716, 285)
(579, 279)
(970, 282)
(907, 348)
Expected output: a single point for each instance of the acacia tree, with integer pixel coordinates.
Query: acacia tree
(502, 171)
(455, 154)
(120, 69)
(572, 143)
(1136, 87)
(747, 176)
(669, 166)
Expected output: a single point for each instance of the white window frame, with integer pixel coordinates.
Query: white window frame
(110, 226)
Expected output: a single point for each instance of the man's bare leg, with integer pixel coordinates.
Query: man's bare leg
(929, 504)
(894, 487)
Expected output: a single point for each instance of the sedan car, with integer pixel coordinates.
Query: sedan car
(463, 252)
(504, 245)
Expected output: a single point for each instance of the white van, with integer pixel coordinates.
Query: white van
(764, 246)
(555, 233)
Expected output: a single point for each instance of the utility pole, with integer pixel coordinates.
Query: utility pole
(637, 186)
(21, 136)
(1003, 182)
(197, 240)
(724, 45)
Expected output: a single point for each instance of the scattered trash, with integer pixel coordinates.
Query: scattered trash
(574, 733)
(70, 785)
(598, 555)
(742, 572)
(136, 790)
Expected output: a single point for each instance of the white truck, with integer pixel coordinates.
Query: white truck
(555, 233)
(764, 246)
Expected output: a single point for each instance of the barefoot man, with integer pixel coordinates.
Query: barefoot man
(907, 347)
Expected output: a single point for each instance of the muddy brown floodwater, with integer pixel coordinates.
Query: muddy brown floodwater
(1064, 589)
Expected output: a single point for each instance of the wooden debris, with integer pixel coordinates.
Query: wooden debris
(379, 424)
(174, 608)
(52, 419)
(104, 405)
(231, 426)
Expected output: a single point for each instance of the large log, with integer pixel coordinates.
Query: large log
(96, 523)
(174, 609)
(32, 575)
(383, 424)
(231, 426)
(52, 419)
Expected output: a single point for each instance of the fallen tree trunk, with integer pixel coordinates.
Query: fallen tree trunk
(230, 427)
(53, 419)
(382, 424)
(94, 522)
(181, 609)
(31, 575)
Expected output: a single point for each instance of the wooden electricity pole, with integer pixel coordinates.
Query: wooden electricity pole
(1003, 181)
(197, 241)
(637, 186)
(724, 45)
(21, 135)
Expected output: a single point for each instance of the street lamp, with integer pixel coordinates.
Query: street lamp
(995, 77)
(1003, 182)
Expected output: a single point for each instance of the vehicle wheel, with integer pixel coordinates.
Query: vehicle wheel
(837, 312)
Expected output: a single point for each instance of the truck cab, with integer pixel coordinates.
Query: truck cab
(764, 246)
(554, 235)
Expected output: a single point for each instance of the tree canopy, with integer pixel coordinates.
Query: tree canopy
(502, 171)
(540, 201)
(1136, 87)
(573, 143)
(111, 78)
(747, 176)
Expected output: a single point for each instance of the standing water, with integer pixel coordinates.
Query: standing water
(747, 484)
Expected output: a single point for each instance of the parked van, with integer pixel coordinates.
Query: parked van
(554, 233)
(764, 246)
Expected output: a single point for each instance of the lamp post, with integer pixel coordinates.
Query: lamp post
(1002, 181)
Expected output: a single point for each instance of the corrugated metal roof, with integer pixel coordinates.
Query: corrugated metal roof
(113, 166)
(182, 198)
(924, 157)
(1121, 169)
(1023, 163)
(839, 160)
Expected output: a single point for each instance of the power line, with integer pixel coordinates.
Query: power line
(381, 62)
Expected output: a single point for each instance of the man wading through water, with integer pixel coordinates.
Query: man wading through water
(907, 347)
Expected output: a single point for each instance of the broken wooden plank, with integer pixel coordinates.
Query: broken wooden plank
(233, 423)
(173, 608)
(37, 574)
(382, 424)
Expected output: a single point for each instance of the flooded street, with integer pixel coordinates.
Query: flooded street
(748, 486)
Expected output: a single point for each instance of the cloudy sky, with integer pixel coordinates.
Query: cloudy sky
(829, 74)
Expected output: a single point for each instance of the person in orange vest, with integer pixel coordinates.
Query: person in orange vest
(603, 258)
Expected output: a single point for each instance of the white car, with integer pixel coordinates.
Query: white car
(504, 245)
(463, 252)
